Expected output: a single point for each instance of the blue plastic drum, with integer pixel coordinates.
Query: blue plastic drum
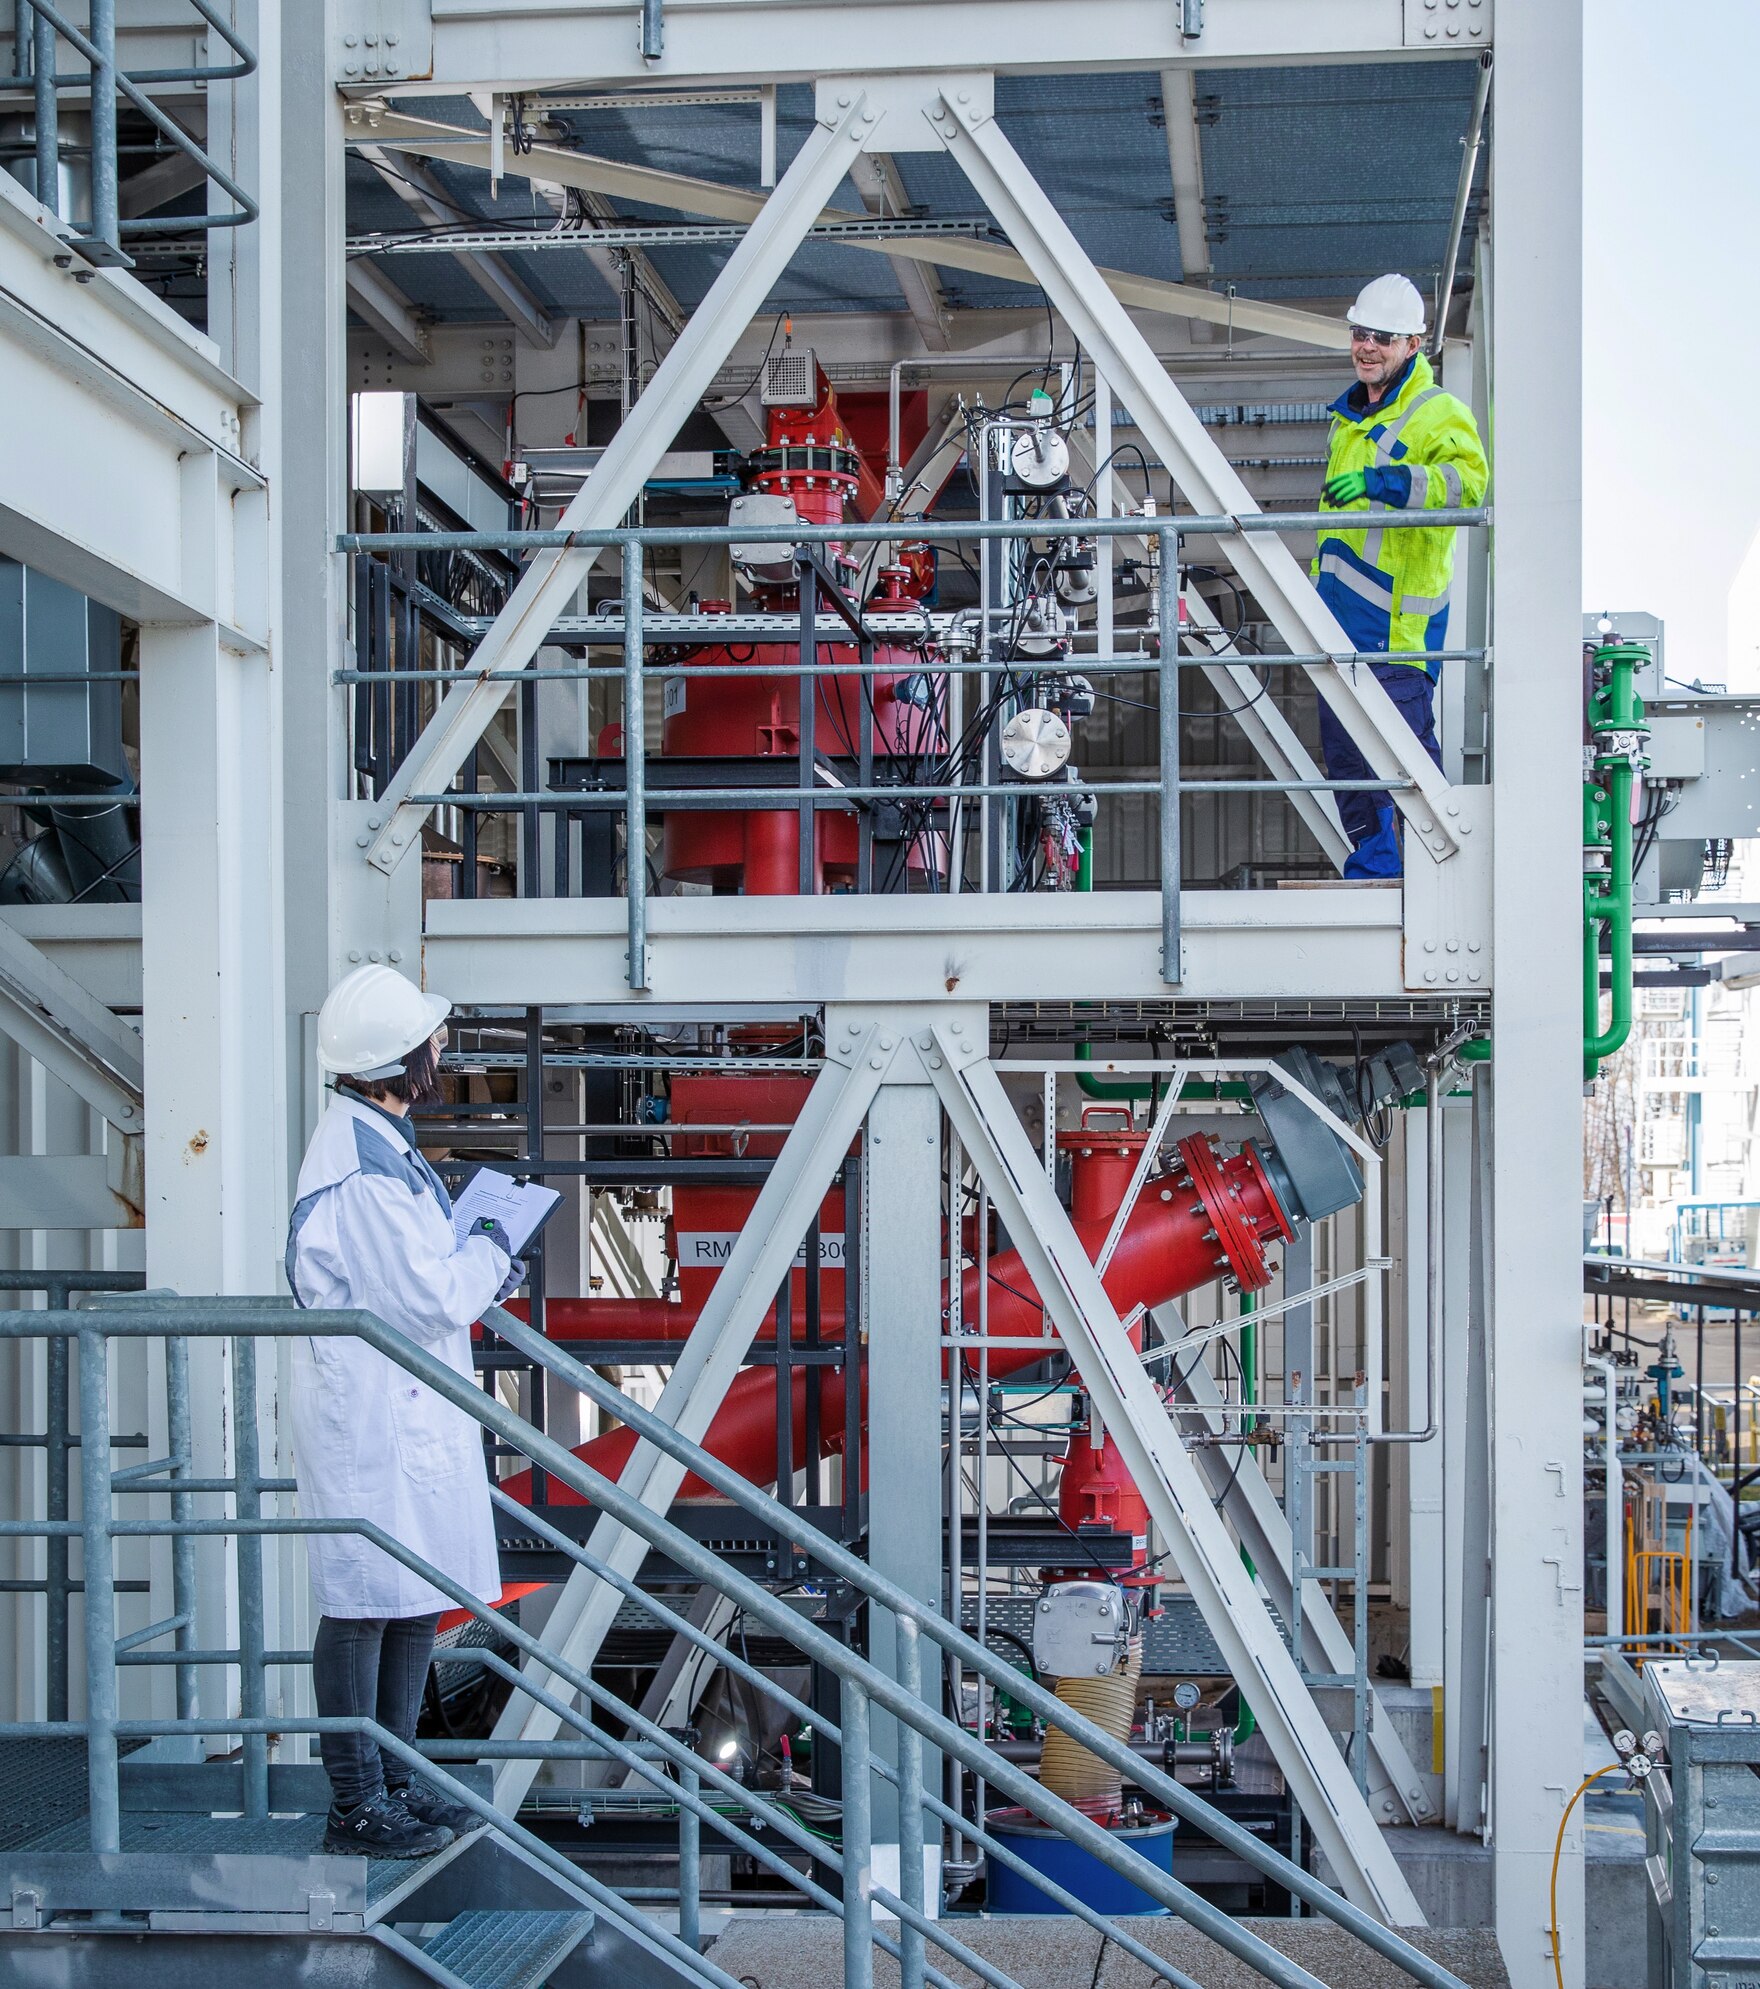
(1068, 1865)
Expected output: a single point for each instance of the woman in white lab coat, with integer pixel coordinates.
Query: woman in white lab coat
(372, 1228)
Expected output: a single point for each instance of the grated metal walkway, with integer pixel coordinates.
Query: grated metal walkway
(42, 1785)
(182, 1836)
(506, 1950)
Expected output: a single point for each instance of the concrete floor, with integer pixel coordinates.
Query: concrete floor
(805, 1952)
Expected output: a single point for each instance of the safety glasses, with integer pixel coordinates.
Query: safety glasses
(1362, 335)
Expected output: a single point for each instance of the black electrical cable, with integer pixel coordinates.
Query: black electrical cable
(1105, 1573)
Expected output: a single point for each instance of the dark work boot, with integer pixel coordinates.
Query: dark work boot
(430, 1805)
(381, 1828)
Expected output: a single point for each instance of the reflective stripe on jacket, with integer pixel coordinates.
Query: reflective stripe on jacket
(1419, 451)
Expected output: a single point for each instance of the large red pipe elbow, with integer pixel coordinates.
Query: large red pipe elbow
(1173, 1241)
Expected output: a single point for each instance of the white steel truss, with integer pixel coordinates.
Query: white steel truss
(712, 1355)
(919, 113)
(868, 1048)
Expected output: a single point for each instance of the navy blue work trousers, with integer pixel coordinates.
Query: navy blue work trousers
(1367, 813)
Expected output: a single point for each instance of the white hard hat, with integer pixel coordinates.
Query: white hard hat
(1389, 304)
(372, 1019)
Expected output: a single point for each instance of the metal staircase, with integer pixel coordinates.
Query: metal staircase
(195, 1872)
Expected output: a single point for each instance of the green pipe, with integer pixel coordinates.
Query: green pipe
(1616, 723)
(1477, 1050)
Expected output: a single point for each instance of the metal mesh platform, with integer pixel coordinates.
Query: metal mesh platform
(186, 1836)
(43, 1785)
(492, 1950)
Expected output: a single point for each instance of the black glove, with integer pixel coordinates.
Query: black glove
(516, 1276)
(489, 1227)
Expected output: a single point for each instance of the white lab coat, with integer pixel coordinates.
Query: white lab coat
(372, 1227)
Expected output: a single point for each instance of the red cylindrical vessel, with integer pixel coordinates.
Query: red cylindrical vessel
(1102, 1159)
(1097, 1490)
(706, 1217)
(760, 715)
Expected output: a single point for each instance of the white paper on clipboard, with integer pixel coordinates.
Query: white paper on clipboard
(519, 1206)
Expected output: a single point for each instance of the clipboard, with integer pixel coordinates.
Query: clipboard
(521, 1205)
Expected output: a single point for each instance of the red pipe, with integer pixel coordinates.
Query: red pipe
(1169, 1245)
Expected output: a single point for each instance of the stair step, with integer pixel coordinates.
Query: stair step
(491, 1949)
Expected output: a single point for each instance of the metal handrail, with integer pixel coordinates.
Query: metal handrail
(927, 530)
(806, 796)
(837, 1560)
(105, 83)
(255, 1727)
(58, 1441)
(862, 1682)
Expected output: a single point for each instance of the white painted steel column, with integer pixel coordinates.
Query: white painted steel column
(1535, 1342)
(902, 1293)
(210, 953)
(1422, 1462)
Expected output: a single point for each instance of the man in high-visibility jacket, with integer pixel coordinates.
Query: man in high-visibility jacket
(1399, 443)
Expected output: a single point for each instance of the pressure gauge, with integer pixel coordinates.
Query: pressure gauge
(1186, 1695)
(1039, 458)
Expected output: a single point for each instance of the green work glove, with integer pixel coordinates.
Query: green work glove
(1352, 487)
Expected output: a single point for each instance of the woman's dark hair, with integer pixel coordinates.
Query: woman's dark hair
(417, 1084)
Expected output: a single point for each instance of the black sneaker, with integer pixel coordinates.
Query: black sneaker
(382, 1828)
(428, 1805)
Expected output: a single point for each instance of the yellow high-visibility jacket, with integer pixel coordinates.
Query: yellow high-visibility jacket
(1419, 449)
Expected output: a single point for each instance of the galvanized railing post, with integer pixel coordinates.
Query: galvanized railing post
(1170, 782)
(635, 792)
(105, 218)
(47, 113)
(909, 1652)
(57, 1472)
(858, 1839)
(103, 1795)
(180, 1442)
(690, 1862)
(253, 1691)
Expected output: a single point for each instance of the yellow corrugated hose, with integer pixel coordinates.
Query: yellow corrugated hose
(1612, 1768)
(1070, 1770)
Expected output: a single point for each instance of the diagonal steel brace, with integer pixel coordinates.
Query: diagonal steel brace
(1258, 1519)
(1171, 1483)
(761, 1258)
(551, 581)
(1203, 473)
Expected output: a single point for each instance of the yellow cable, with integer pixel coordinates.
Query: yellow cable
(1612, 1768)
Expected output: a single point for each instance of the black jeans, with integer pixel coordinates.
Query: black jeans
(374, 1668)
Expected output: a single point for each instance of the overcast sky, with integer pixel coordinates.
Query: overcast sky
(1672, 324)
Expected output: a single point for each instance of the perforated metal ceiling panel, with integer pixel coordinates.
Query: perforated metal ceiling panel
(1316, 178)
